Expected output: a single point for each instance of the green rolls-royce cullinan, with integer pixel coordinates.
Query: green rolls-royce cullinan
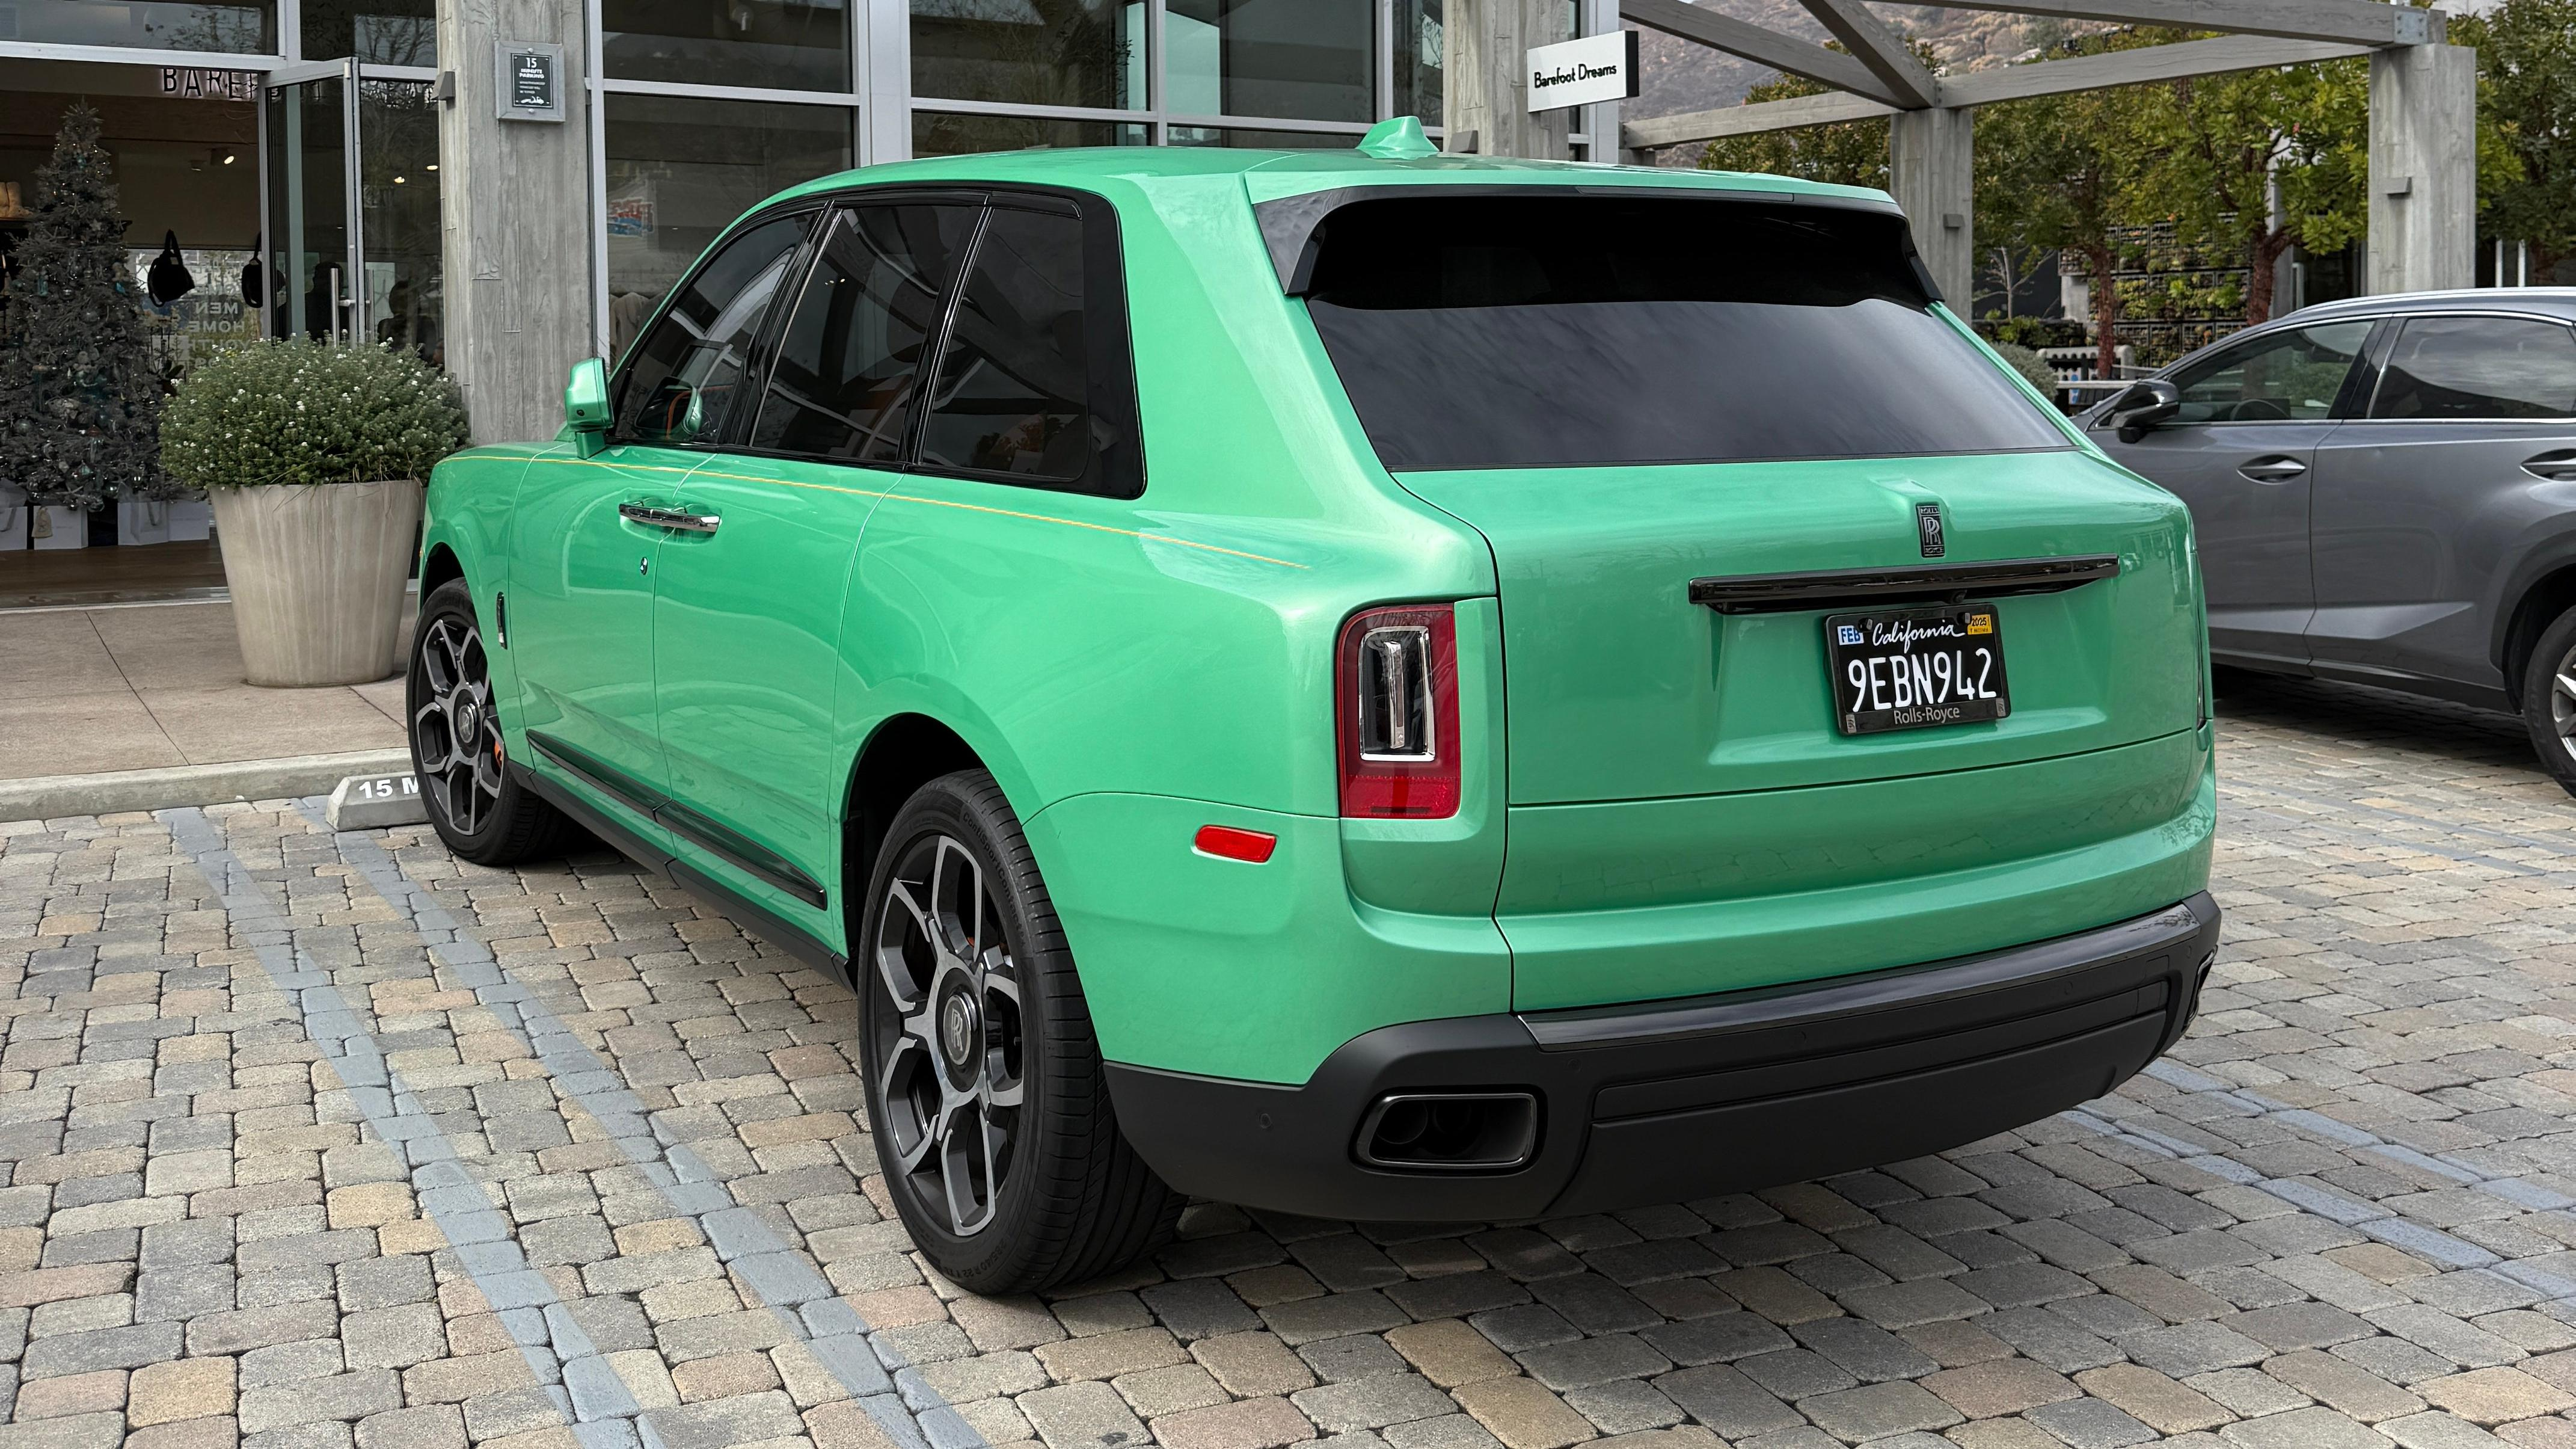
(1368, 684)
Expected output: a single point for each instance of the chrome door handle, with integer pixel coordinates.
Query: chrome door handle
(2273, 470)
(679, 519)
(2558, 467)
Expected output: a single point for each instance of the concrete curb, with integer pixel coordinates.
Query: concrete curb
(47, 797)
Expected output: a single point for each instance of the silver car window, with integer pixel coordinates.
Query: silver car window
(2288, 376)
(2499, 368)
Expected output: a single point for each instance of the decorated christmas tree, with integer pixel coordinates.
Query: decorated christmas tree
(80, 391)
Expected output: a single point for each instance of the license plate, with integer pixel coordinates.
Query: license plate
(1908, 669)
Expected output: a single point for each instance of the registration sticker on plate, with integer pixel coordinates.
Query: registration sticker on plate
(1913, 668)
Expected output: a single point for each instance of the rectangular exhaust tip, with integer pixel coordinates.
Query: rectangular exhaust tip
(1450, 1131)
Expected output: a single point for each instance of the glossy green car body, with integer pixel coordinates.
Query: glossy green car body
(1656, 804)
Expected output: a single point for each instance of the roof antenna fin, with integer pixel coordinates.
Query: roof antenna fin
(1399, 138)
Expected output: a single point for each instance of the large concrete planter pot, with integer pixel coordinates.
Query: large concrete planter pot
(316, 573)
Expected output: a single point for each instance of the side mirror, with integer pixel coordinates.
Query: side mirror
(586, 404)
(2141, 408)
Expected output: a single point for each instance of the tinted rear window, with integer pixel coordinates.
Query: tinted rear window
(1497, 332)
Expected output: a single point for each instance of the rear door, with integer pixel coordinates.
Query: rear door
(2418, 502)
(747, 620)
(2242, 454)
(582, 589)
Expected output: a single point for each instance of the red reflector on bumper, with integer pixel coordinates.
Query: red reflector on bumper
(1228, 843)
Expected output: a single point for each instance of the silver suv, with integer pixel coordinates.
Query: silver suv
(2385, 492)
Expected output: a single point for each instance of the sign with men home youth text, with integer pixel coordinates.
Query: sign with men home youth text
(531, 77)
(1580, 72)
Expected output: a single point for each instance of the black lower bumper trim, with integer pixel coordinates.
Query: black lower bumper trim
(1684, 1099)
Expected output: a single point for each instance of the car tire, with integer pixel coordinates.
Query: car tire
(2548, 707)
(985, 1090)
(454, 725)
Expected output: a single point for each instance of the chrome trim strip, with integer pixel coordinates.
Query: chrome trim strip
(1953, 583)
(673, 518)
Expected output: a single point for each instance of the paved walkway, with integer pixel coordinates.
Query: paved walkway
(84, 691)
(324, 1140)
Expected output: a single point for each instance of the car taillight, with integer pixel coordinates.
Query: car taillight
(1396, 695)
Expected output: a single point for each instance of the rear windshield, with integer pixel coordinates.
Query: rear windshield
(1503, 332)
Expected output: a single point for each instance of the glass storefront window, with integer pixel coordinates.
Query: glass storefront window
(681, 169)
(937, 134)
(249, 29)
(775, 44)
(1420, 50)
(1031, 52)
(380, 32)
(1308, 60)
(1245, 138)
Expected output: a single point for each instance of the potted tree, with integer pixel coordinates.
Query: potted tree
(314, 456)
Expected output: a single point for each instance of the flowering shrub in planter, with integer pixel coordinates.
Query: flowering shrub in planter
(313, 455)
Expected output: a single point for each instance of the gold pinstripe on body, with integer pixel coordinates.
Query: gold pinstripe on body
(889, 494)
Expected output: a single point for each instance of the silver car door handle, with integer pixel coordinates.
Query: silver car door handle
(2273, 470)
(672, 518)
(2558, 467)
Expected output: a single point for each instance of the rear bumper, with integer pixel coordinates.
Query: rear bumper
(1712, 1094)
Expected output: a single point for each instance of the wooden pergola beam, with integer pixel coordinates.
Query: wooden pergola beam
(1879, 48)
(1763, 47)
(1752, 120)
(2353, 22)
(2179, 61)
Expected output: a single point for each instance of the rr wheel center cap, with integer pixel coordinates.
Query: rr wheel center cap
(960, 1033)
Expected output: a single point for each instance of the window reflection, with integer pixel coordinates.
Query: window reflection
(1420, 47)
(1031, 52)
(251, 29)
(778, 44)
(1308, 60)
(681, 169)
(934, 134)
(382, 32)
(1246, 138)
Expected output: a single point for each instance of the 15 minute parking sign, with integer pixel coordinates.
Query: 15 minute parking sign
(1579, 72)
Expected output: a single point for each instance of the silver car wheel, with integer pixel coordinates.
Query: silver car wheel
(2562, 703)
(950, 1043)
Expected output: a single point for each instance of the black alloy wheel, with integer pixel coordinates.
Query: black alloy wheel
(457, 750)
(455, 737)
(986, 1096)
(949, 1034)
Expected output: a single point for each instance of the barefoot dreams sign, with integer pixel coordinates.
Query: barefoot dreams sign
(1580, 72)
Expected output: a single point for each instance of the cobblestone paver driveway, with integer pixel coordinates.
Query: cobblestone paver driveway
(310, 1140)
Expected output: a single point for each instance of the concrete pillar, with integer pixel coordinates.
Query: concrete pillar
(515, 199)
(1486, 86)
(1932, 172)
(2423, 168)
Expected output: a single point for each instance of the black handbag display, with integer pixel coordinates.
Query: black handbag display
(168, 281)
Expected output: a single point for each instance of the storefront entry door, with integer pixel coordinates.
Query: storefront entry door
(350, 183)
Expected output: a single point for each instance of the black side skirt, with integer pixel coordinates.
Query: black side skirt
(751, 916)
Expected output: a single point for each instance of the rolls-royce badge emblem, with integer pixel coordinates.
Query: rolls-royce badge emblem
(1927, 522)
